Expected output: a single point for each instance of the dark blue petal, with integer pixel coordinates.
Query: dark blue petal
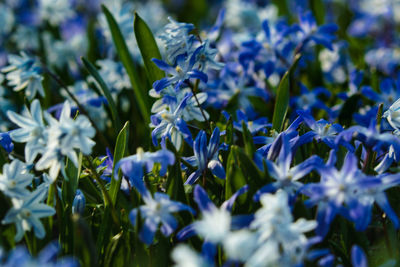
(186, 232)
(148, 231)
(217, 169)
(202, 199)
(193, 177)
(358, 258)
(196, 74)
(214, 143)
(163, 65)
(228, 204)
(161, 84)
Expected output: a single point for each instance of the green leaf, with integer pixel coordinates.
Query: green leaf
(282, 98)
(318, 9)
(105, 227)
(120, 151)
(72, 179)
(248, 140)
(349, 107)
(241, 170)
(250, 170)
(123, 53)
(84, 247)
(229, 131)
(175, 188)
(234, 176)
(282, 7)
(106, 91)
(69, 187)
(148, 48)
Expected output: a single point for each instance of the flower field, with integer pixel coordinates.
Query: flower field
(199, 133)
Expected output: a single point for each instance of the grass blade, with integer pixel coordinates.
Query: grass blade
(148, 48)
(282, 98)
(120, 150)
(105, 228)
(125, 56)
(106, 91)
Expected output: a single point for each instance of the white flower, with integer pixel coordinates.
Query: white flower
(24, 72)
(65, 137)
(215, 225)
(26, 213)
(184, 256)
(393, 115)
(55, 11)
(14, 179)
(240, 245)
(31, 131)
(191, 111)
(74, 133)
(273, 238)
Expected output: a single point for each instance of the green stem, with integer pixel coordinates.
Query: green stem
(194, 89)
(28, 243)
(106, 196)
(50, 201)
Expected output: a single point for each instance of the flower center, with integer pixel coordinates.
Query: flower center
(12, 184)
(26, 213)
(140, 153)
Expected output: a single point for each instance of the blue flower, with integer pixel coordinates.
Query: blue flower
(389, 92)
(47, 257)
(206, 156)
(355, 79)
(334, 63)
(234, 82)
(287, 177)
(133, 166)
(268, 141)
(216, 223)
(177, 39)
(341, 192)
(87, 98)
(371, 137)
(206, 58)
(157, 211)
(321, 130)
(254, 126)
(183, 71)
(358, 257)
(6, 142)
(79, 202)
(323, 35)
(309, 100)
(170, 98)
(169, 123)
(387, 160)
(279, 241)
(385, 59)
